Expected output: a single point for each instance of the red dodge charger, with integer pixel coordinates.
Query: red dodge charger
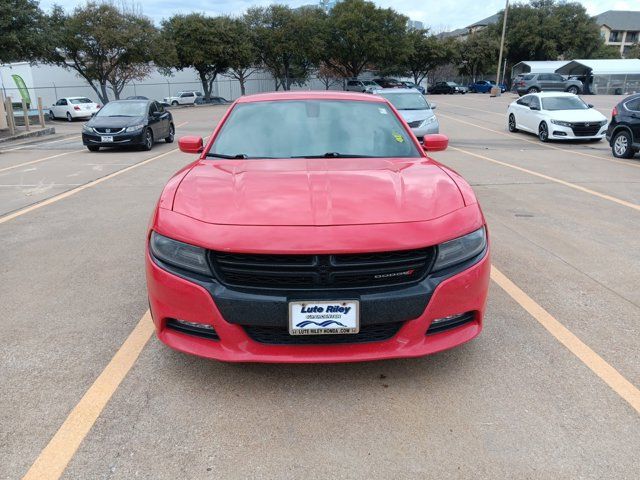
(313, 227)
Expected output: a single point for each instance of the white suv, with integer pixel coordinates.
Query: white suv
(364, 86)
(183, 98)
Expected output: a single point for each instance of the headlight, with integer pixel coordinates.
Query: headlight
(460, 249)
(179, 254)
(561, 123)
(430, 120)
(134, 128)
(87, 129)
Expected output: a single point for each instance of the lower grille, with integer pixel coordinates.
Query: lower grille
(322, 272)
(280, 335)
(585, 129)
(450, 324)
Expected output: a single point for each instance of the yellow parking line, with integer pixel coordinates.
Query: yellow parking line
(55, 457)
(538, 143)
(38, 160)
(591, 359)
(552, 179)
(73, 191)
(501, 115)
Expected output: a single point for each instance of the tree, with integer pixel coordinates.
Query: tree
(477, 54)
(634, 51)
(125, 73)
(21, 30)
(289, 41)
(202, 43)
(244, 57)
(361, 35)
(327, 77)
(100, 43)
(425, 54)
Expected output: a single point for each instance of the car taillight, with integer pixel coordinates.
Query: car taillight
(614, 112)
(76, 108)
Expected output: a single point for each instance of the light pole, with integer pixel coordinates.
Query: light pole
(504, 29)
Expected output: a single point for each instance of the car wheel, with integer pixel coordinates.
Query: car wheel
(93, 148)
(174, 103)
(573, 89)
(621, 145)
(512, 123)
(533, 90)
(51, 115)
(543, 132)
(172, 134)
(69, 117)
(148, 140)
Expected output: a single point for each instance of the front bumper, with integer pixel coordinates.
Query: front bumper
(119, 139)
(560, 132)
(430, 128)
(171, 296)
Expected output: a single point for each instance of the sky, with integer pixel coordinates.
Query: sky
(436, 14)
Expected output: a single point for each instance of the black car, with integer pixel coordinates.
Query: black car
(446, 88)
(623, 133)
(388, 83)
(121, 123)
(137, 97)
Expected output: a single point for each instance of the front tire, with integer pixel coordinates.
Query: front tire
(51, 115)
(69, 117)
(621, 145)
(573, 89)
(172, 134)
(533, 90)
(174, 103)
(93, 148)
(543, 132)
(512, 123)
(147, 140)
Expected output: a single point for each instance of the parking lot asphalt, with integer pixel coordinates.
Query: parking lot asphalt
(549, 390)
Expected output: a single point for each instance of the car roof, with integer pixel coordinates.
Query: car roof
(413, 91)
(309, 95)
(73, 98)
(554, 94)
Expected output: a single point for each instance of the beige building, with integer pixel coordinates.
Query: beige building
(620, 28)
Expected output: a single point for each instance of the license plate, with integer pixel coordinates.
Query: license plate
(324, 318)
(106, 139)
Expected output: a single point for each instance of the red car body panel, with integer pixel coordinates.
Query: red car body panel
(315, 206)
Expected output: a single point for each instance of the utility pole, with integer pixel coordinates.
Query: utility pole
(504, 29)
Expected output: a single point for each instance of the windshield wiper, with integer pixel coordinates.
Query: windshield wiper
(231, 157)
(335, 155)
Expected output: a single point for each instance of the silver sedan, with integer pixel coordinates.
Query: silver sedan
(414, 108)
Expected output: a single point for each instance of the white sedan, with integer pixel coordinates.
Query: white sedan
(73, 107)
(556, 116)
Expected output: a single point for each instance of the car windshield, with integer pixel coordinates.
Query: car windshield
(407, 101)
(369, 82)
(80, 100)
(123, 109)
(563, 103)
(312, 128)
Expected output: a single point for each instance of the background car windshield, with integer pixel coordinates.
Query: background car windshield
(123, 109)
(564, 103)
(80, 100)
(293, 129)
(368, 82)
(407, 101)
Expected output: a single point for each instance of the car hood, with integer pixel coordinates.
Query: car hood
(590, 115)
(114, 122)
(413, 115)
(317, 192)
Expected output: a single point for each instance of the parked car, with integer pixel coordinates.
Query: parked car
(137, 97)
(123, 123)
(420, 88)
(623, 133)
(446, 88)
(484, 86)
(545, 82)
(364, 86)
(182, 98)
(414, 108)
(73, 107)
(315, 228)
(388, 83)
(556, 116)
(215, 101)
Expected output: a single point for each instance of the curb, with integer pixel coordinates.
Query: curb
(33, 133)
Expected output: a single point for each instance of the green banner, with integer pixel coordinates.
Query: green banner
(22, 87)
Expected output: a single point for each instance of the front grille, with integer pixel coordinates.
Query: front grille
(109, 131)
(322, 272)
(280, 335)
(585, 129)
(416, 123)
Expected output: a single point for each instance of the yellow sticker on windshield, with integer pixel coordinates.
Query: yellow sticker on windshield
(399, 138)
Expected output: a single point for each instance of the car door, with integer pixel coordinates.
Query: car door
(634, 121)
(61, 108)
(164, 119)
(154, 120)
(535, 116)
(556, 82)
(522, 112)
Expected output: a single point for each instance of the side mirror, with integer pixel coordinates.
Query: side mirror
(435, 142)
(434, 106)
(190, 144)
(589, 105)
(533, 107)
